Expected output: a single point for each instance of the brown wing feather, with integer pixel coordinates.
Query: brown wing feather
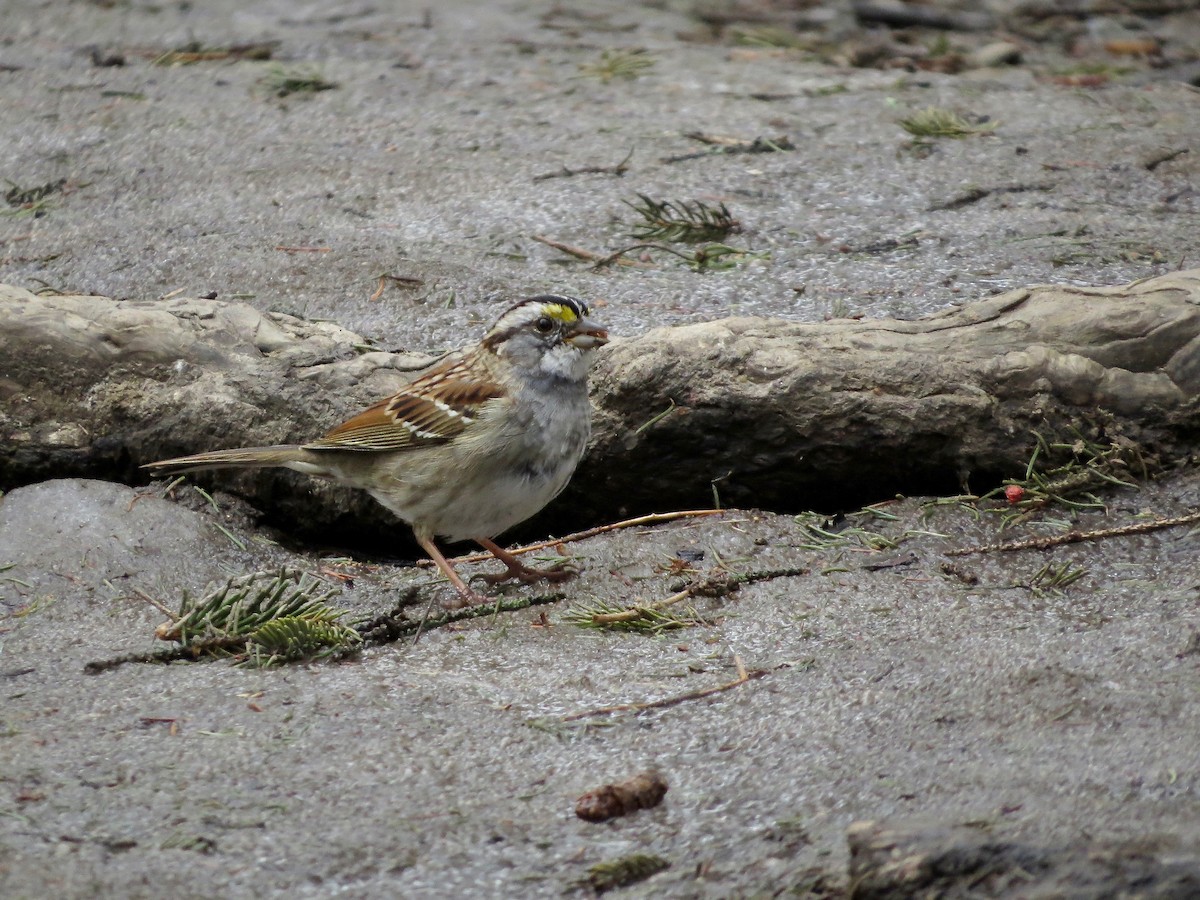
(431, 410)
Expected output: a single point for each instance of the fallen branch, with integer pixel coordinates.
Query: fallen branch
(1075, 537)
(1029, 351)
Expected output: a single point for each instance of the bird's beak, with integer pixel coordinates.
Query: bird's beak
(587, 335)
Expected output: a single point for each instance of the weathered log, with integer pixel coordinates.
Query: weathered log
(95, 387)
(793, 416)
(768, 413)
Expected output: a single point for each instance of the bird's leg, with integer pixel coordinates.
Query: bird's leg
(469, 597)
(517, 569)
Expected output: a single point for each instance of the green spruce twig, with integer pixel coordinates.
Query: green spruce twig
(657, 617)
(283, 82)
(627, 870)
(654, 618)
(627, 64)
(18, 196)
(934, 121)
(265, 618)
(686, 221)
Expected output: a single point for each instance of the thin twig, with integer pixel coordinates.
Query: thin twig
(188, 651)
(387, 629)
(581, 253)
(618, 256)
(1161, 157)
(424, 621)
(720, 144)
(744, 676)
(1075, 537)
(768, 574)
(619, 169)
(160, 606)
(651, 519)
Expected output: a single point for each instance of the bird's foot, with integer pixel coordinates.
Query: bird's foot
(466, 597)
(529, 575)
(518, 571)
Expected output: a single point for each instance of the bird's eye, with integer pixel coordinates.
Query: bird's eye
(544, 325)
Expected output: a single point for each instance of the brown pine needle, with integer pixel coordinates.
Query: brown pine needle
(581, 253)
(161, 607)
(651, 519)
(744, 676)
(619, 169)
(404, 281)
(617, 257)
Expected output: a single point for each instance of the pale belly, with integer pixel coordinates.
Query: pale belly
(486, 494)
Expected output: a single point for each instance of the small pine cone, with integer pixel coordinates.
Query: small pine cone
(639, 792)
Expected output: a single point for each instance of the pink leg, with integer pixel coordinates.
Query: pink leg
(469, 597)
(517, 569)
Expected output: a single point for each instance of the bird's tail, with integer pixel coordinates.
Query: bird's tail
(288, 456)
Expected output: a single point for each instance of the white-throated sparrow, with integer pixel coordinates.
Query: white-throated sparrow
(478, 443)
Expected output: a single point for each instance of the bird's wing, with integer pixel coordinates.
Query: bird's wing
(432, 410)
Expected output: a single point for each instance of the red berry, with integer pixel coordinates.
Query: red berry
(1014, 493)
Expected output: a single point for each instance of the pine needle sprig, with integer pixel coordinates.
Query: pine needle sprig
(628, 64)
(1066, 475)
(268, 617)
(686, 221)
(300, 637)
(640, 619)
(935, 121)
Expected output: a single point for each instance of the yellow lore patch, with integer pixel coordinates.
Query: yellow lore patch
(560, 312)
